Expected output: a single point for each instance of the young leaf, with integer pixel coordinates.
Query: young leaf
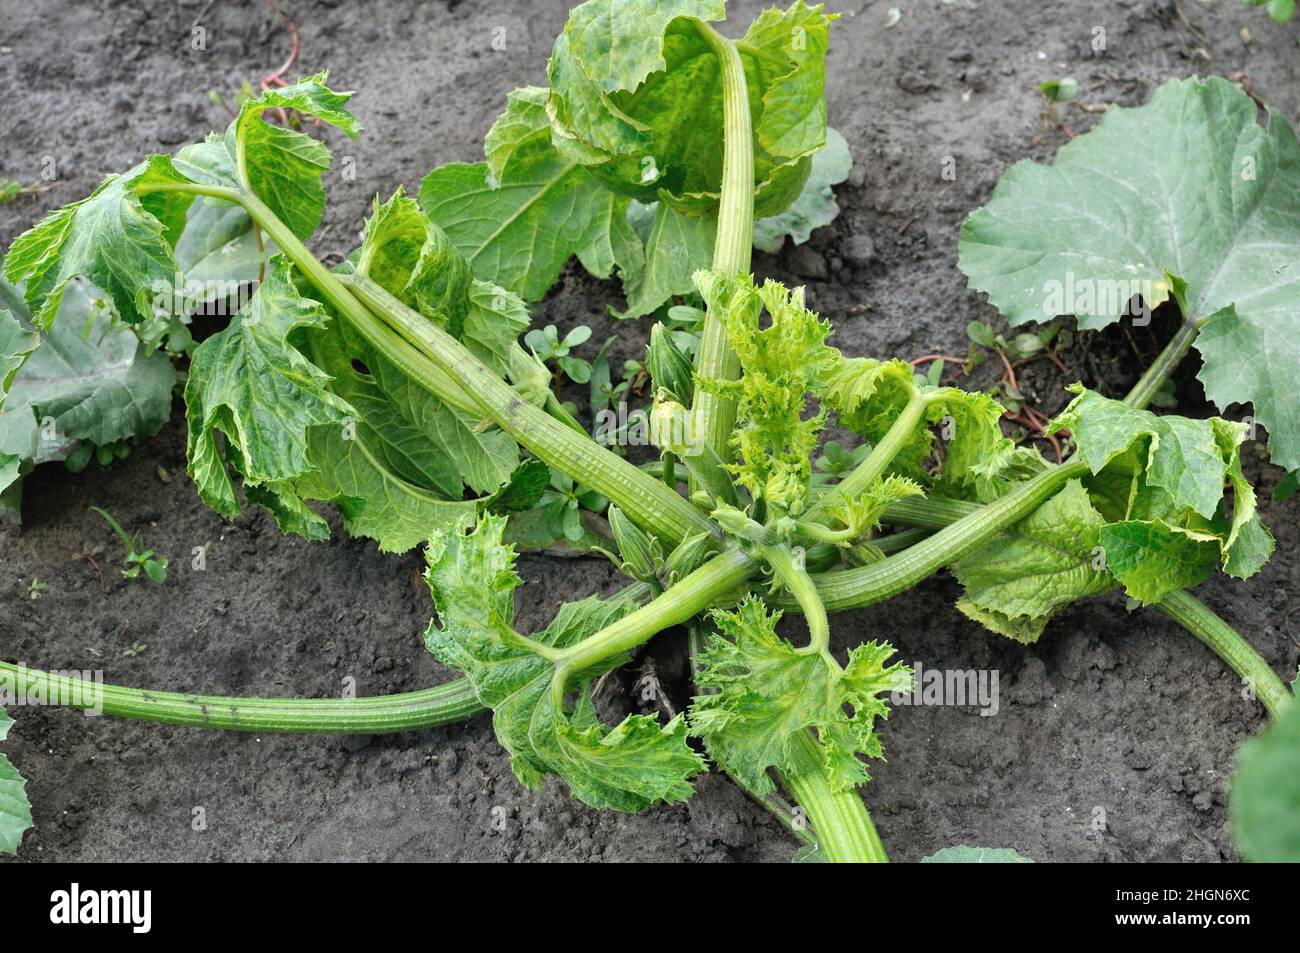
(627, 768)
(1187, 196)
(15, 810)
(283, 167)
(1016, 583)
(1265, 796)
(781, 364)
(765, 691)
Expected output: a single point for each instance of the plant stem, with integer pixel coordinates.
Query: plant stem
(707, 586)
(1150, 382)
(882, 454)
(839, 818)
(799, 584)
(714, 416)
(644, 499)
(1200, 620)
(380, 714)
(865, 585)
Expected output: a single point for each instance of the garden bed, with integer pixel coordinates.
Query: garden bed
(1112, 711)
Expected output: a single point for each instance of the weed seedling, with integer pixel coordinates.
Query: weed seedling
(137, 560)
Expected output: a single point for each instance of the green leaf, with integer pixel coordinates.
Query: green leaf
(1264, 803)
(89, 382)
(629, 767)
(644, 110)
(1048, 560)
(1152, 558)
(1187, 196)
(16, 343)
(519, 216)
(1162, 479)
(976, 855)
(676, 246)
(781, 362)
(254, 386)
(415, 260)
(816, 205)
(764, 691)
(525, 487)
(116, 239)
(281, 166)
(15, 809)
(397, 470)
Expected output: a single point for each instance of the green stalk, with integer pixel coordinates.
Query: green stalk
(714, 416)
(708, 585)
(839, 819)
(870, 470)
(865, 585)
(379, 714)
(644, 499)
(1163, 365)
(800, 585)
(1200, 620)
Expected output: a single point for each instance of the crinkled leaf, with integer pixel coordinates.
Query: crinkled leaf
(629, 767)
(253, 385)
(816, 205)
(765, 691)
(1160, 481)
(781, 363)
(1188, 196)
(15, 809)
(1152, 558)
(116, 239)
(1265, 797)
(1048, 560)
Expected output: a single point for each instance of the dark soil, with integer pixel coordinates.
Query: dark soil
(1112, 712)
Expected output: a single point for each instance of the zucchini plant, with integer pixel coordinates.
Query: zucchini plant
(393, 387)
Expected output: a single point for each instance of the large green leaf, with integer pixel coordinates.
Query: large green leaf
(636, 95)
(519, 216)
(628, 767)
(1187, 196)
(764, 691)
(1265, 796)
(15, 810)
